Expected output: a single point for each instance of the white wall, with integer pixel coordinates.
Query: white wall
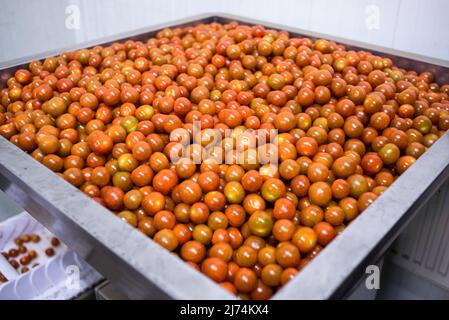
(31, 27)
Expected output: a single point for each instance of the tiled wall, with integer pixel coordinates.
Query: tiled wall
(30, 27)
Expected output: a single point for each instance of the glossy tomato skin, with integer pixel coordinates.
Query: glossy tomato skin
(100, 142)
(165, 180)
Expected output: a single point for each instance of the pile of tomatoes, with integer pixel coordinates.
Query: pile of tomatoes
(107, 120)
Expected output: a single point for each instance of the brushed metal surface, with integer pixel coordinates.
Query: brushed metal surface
(141, 269)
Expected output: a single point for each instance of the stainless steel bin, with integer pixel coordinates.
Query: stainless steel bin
(141, 269)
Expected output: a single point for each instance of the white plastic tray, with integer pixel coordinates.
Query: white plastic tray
(63, 276)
